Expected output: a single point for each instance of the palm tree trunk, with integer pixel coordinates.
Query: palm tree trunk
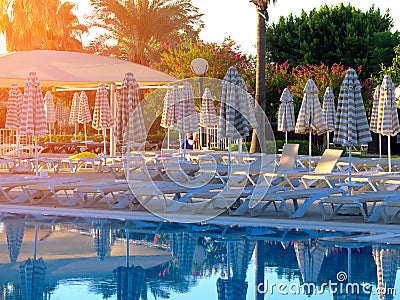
(258, 138)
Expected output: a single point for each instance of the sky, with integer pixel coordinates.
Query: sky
(237, 19)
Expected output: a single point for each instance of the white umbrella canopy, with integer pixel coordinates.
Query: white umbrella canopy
(286, 119)
(328, 109)
(13, 116)
(388, 120)
(62, 115)
(49, 111)
(373, 125)
(351, 127)
(311, 119)
(84, 115)
(74, 112)
(33, 118)
(102, 118)
(130, 125)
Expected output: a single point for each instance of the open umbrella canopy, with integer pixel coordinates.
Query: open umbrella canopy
(13, 116)
(73, 69)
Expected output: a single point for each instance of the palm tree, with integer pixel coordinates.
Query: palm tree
(258, 139)
(40, 24)
(135, 27)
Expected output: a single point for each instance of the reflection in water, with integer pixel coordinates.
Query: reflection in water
(93, 255)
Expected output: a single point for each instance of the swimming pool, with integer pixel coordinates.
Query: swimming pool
(47, 257)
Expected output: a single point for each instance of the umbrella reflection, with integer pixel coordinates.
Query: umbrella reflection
(387, 261)
(32, 273)
(15, 229)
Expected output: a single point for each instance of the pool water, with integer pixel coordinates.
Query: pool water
(83, 258)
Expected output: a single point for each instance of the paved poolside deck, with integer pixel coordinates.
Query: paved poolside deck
(312, 219)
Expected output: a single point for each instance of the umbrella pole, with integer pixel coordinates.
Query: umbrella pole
(104, 141)
(36, 157)
(327, 140)
(229, 157)
(380, 146)
(35, 242)
(239, 150)
(18, 144)
(84, 126)
(75, 125)
(309, 150)
(168, 138)
(350, 167)
(348, 264)
(285, 137)
(228, 259)
(389, 155)
(127, 247)
(50, 132)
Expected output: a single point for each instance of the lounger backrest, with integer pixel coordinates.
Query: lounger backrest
(289, 157)
(328, 161)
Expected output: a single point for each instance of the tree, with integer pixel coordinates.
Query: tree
(393, 70)
(134, 28)
(39, 24)
(340, 34)
(258, 138)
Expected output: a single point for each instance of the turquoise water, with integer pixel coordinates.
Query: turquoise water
(87, 258)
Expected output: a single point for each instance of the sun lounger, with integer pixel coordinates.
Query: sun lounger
(361, 201)
(116, 195)
(8, 186)
(390, 209)
(262, 201)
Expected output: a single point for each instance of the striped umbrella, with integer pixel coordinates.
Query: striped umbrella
(233, 122)
(328, 109)
(32, 275)
(130, 125)
(168, 118)
(311, 118)
(33, 118)
(74, 112)
(310, 255)
(351, 127)
(129, 282)
(84, 115)
(49, 111)
(13, 116)
(373, 125)
(387, 262)
(286, 113)
(15, 229)
(388, 120)
(208, 114)
(102, 118)
(62, 114)
(187, 118)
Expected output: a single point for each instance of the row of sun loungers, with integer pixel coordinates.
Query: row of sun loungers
(244, 189)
